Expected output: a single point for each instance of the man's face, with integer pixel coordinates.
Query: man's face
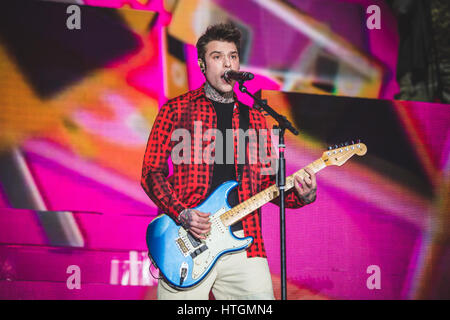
(219, 57)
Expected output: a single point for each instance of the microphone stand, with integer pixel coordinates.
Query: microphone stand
(283, 124)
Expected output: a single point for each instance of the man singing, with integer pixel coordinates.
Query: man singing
(242, 275)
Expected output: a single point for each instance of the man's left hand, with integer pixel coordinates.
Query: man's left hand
(306, 188)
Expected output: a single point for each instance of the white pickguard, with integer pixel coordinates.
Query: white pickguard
(220, 240)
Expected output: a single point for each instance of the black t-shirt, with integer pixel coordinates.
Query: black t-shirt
(224, 171)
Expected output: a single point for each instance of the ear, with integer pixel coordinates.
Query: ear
(201, 64)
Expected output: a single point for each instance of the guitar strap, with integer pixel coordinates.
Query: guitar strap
(244, 123)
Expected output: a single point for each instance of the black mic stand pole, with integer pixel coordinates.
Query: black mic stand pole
(283, 124)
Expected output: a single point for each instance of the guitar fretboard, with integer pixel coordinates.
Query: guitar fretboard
(241, 210)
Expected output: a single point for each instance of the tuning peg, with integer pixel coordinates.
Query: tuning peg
(346, 143)
(359, 140)
(336, 146)
(353, 142)
(330, 148)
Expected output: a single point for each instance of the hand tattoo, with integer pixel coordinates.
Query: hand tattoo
(310, 197)
(185, 217)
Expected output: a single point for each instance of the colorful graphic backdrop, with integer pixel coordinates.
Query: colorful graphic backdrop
(78, 105)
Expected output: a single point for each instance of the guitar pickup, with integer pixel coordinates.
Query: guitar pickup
(198, 251)
(182, 246)
(195, 243)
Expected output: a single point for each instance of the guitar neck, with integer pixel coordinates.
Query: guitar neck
(241, 210)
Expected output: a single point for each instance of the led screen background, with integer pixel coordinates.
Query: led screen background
(78, 105)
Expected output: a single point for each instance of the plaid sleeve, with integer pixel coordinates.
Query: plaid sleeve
(155, 168)
(292, 199)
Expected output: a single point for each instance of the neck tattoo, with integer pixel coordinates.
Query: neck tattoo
(217, 96)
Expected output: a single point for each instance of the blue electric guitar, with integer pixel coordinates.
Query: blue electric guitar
(184, 261)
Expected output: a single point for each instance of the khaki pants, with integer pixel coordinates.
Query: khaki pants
(234, 277)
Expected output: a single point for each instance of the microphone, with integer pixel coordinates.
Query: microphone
(237, 75)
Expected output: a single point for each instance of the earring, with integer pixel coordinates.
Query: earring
(201, 65)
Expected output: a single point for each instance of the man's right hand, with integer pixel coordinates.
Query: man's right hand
(196, 222)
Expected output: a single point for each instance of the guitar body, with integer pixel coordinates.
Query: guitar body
(183, 260)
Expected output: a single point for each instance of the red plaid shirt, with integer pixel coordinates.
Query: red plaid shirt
(189, 183)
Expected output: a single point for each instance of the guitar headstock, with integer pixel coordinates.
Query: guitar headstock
(338, 155)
